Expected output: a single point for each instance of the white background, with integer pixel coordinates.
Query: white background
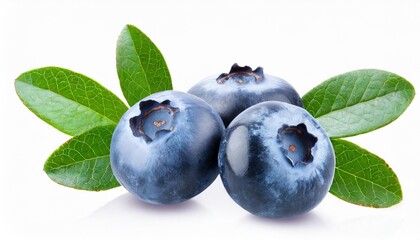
(304, 42)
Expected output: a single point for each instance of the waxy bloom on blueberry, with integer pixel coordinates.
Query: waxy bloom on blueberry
(276, 161)
(231, 93)
(164, 149)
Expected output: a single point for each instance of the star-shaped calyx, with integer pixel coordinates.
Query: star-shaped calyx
(155, 118)
(242, 75)
(296, 143)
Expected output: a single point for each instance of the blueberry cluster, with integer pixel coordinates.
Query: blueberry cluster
(273, 157)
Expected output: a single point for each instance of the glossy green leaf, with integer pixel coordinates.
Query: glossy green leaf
(69, 101)
(83, 162)
(359, 101)
(141, 67)
(363, 178)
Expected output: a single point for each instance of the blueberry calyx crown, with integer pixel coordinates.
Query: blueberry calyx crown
(154, 118)
(242, 75)
(296, 143)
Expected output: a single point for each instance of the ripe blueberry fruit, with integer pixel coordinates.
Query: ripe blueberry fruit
(231, 93)
(164, 149)
(276, 160)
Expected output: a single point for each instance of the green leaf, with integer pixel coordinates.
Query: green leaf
(140, 65)
(83, 162)
(69, 101)
(359, 101)
(363, 178)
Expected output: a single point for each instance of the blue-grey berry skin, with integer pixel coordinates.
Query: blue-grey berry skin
(231, 93)
(276, 161)
(164, 149)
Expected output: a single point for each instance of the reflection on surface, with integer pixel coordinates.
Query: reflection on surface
(126, 215)
(211, 215)
(309, 220)
(128, 205)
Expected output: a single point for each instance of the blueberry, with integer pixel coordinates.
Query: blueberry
(276, 160)
(164, 149)
(231, 93)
